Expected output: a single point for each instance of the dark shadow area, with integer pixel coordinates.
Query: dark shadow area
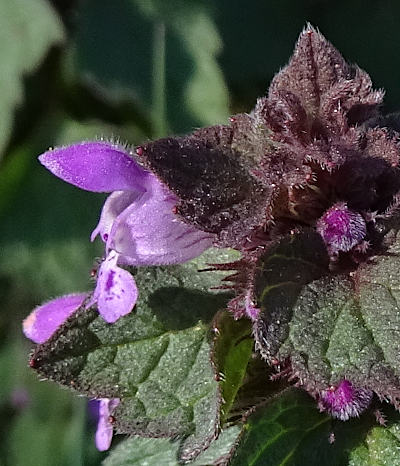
(179, 308)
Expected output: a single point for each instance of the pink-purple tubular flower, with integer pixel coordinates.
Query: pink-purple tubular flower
(137, 222)
(345, 400)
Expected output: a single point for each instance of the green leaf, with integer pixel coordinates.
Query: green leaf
(139, 451)
(156, 359)
(282, 273)
(28, 29)
(381, 447)
(232, 350)
(113, 51)
(331, 329)
(290, 431)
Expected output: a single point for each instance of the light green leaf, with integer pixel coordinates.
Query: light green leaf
(232, 350)
(27, 30)
(139, 451)
(380, 448)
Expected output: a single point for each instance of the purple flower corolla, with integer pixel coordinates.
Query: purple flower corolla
(345, 400)
(102, 409)
(44, 320)
(137, 223)
(341, 228)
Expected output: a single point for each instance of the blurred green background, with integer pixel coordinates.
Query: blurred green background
(132, 70)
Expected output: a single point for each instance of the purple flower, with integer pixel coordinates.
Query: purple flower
(341, 228)
(137, 224)
(345, 400)
(44, 320)
(102, 409)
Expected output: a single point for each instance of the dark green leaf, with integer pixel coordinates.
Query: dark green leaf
(156, 359)
(339, 327)
(282, 273)
(114, 49)
(290, 431)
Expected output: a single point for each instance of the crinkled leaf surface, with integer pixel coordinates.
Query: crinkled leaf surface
(140, 451)
(283, 271)
(381, 447)
(27, 30)
(290, 431)
(156, 359)
(340, 327)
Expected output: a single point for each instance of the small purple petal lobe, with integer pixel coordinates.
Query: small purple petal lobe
(95, 166)
(104, 430)
(116, 291)
(44, 320)
(341, 228)
(345, 400)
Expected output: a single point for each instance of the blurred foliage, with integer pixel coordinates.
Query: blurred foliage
(132, 69)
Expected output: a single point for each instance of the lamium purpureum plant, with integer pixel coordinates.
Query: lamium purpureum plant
(287, 217)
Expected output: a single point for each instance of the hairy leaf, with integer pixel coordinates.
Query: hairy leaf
(156, 360)
(217, 194)
(338, 327)
(231, 354)
(381, 447)
(289, 430)
(281, 273)
(139, 451)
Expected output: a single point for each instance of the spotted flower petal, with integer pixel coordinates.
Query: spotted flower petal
(116, 291)
(44, 320)
(104, 430)
(96, 166)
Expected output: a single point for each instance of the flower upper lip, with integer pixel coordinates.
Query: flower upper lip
(137, 223)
